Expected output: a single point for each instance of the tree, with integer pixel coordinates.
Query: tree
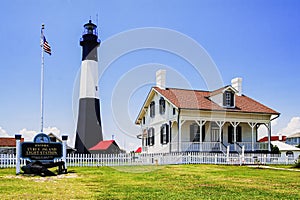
(274, 149)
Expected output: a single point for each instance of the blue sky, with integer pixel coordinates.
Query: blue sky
(256, 40)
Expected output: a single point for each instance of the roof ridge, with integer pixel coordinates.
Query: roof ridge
(197, 90)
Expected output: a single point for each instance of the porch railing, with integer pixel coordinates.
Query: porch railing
(216, 146)
(257, 146)
(198, 146)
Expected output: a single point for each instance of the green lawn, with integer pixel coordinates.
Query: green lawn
(155, 182)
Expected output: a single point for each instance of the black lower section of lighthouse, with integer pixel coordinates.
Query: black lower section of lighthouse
(89, 129)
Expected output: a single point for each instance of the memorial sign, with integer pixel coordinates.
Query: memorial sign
(41, 149)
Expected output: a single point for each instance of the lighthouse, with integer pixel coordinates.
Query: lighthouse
(89, 129)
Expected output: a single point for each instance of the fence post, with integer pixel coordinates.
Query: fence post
(18, 153)
(227, 155)
(64, 141)
(243, 154)
(216, 158)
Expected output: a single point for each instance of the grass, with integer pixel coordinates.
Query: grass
(155, 182)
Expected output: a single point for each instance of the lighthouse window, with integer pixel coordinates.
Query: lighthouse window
(152, 109)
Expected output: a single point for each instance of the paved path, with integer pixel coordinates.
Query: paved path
(276, 168)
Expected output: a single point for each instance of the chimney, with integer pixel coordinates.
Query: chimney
(236, 83)
(161, 79)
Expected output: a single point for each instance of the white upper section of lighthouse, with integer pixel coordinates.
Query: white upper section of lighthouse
(89, 79)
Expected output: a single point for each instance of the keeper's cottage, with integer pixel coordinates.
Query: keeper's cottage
(181, 120)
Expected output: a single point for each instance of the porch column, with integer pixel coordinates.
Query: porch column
(252, 125)
(234, 124)
(269, 136)
(181, 122)
(220, 124)
(200, 124)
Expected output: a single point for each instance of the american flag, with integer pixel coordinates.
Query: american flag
(46, 46)
(44, 43)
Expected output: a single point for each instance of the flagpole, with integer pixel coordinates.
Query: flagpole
(42, 81)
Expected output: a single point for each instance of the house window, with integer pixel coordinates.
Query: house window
(152, 109)
(215, 133)
(228, 99)
(195, 133)
(174, 111)
(164, 134)
(162, 106)
(150, 136)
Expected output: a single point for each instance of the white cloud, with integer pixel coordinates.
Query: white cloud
(292, 127)
(28, 135)
(53, 130)
(3, 133)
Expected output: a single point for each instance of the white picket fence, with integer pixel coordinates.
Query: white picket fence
(93, 160)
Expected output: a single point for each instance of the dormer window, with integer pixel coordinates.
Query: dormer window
(228, 99)
(162, 106)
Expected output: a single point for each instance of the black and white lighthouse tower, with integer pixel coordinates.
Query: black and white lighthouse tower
(89, 129)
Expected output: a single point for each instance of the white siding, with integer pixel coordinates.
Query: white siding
(157, 121)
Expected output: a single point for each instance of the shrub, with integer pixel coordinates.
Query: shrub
(297, 163)
(275, 149)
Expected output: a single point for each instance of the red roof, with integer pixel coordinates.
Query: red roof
(139, 150)
(273, 138)
(103, 145)
(9, 142)
(197, 99)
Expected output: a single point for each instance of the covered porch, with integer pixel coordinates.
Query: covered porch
(218, 135)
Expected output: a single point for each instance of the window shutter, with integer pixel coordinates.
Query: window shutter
(231, 99)
(162, 134)
(224, 99)
(167, 133)
(147, 138)
(192, 132)
(239, 134)
(203, 133)
(153, 136)
(197, 130)
(230, 133)
(170, 132)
